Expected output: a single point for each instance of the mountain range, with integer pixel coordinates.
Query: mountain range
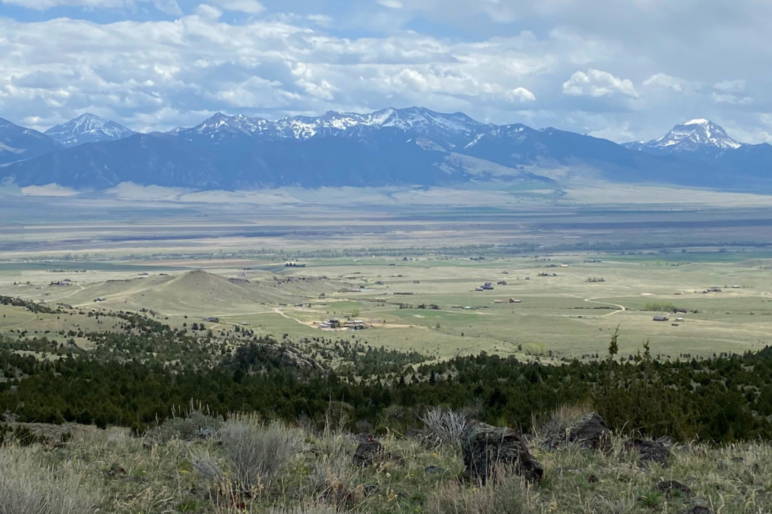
(413, 146)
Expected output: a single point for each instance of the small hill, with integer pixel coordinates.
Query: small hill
(201, 293)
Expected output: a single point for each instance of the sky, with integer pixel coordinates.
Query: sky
(618, 69)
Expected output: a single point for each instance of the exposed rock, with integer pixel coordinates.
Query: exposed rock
(434, 470)
(115, 471)
(665, 441)
(367, 452)
(486, 448)
(649, 451)
(669, 487)
(588, 432)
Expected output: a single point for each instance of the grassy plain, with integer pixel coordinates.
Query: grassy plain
(137, 251)
(563, 315)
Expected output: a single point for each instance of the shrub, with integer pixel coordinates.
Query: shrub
(660, 307)
(207, 468)
(258, 452)
(195, 425)
(446, 425)
(28, 486)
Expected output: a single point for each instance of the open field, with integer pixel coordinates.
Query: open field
(362, 247)
(557, 316)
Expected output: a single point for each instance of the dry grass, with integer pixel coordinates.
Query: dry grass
(559, 420)
(507, 496)
(306, 472)
(445, 425)
(28, 485)
(257, 452)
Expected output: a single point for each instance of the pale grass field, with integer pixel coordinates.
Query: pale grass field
(563, 316)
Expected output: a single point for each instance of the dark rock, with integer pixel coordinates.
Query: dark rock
(649, 451)
(367, 452)
(669, 487)
(486, 448)
(588, 432)
(434, 470)
(115, 471)
(665, 441)
(393, 457)
(363, 437)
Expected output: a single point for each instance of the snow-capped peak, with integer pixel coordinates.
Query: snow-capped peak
(691, 136)
(335, 123)
(696, 134)
(87, 128)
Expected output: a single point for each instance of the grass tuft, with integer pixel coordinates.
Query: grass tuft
(29, 486)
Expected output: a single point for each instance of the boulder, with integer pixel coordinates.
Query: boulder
(368, 451)
(671, 487)
(486, 448)
(588, 432)
(649, 451)
(699, 510)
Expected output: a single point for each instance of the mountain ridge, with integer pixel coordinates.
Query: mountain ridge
(87, 128)
(411, 146)
(697, 135)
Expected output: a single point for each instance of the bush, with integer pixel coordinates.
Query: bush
(660, 307)
(196, 425)
(505, 497)
(446, 425)
(28, 486)
(258, 452)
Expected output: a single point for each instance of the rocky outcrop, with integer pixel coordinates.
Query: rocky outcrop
(371, 452)
(588, 432)
(649, 451)
(487, 448)
(368, 452)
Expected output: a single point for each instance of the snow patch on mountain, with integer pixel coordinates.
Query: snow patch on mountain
(691, 136)
(413, 119)
(87, 128)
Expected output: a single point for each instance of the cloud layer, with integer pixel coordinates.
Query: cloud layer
(618, 69)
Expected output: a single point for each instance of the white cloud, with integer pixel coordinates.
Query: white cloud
(520, 94)
(729, 98)
(306, 58)
(596, 83)
(208, 12)
(663, 81)
(246, 6)
(730, 86)
(322, 20)
(391, 4)
(166, 6)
